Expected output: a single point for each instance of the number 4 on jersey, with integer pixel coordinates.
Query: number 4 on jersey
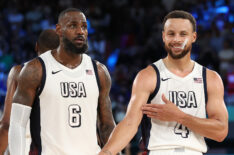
(181, 130)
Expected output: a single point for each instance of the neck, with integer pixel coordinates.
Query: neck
(67, 58)
(180, 67)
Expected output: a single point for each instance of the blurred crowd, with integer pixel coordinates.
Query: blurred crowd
(125, 35)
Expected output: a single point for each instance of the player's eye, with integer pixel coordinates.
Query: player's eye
(72, 26)
(183, 34)
(84, 26)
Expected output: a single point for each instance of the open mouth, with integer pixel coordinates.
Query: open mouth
(79, 40)
(177, 46)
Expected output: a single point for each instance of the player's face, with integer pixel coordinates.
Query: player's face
(178, 37)
(74, 32)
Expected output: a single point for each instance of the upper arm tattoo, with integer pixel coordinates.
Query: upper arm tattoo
(28, 83)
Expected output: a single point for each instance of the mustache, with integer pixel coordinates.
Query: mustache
(80, 37)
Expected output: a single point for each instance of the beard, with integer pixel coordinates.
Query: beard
(71, 47)
(184, 52)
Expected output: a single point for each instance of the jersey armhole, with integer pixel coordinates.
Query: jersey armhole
(152, 95)
(146, 121)
(96, 73)
(205, 83)
(43, 76)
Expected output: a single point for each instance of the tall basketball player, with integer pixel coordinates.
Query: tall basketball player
(47, 40)
(64, 92)
(181, 93)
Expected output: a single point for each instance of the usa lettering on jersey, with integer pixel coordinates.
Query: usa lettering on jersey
(72, 89)
(183, 99)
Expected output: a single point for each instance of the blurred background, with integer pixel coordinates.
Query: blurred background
(125, 35)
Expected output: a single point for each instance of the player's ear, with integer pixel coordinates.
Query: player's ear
(58, 29)
(36, 47)
(194, 37)
(163, 35)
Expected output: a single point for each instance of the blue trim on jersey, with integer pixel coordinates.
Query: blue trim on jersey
(35, 118)
(145, 131)
(35, 128)
(43, 76)
(205, 83)
(96, 73)
(146, 121)
(158, 83)
(98, 83)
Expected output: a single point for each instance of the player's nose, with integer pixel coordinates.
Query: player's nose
(177, 38)
(80, 30)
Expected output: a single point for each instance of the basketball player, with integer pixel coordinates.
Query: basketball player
(47, 40)
(181, 92)
(63, 91)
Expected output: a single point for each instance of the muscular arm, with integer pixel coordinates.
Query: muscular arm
(28, 83)
(105, 118)
(216, 126)
(127, 128)
(5, 121)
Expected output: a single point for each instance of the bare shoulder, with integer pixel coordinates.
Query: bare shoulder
(28, 82)
(14, 73)
(147, 73)
(213, 75)
(15, 70)
(31, 71)
(104, 76)
(214, 82)
(146, 78)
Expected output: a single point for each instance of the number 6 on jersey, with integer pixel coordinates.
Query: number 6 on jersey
(74, 115)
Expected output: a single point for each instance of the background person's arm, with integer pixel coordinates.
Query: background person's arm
(5, 120)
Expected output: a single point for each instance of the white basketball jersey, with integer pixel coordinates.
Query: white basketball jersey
(65, 113)
(190, 95)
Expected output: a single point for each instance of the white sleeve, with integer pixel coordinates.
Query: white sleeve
(18, 121)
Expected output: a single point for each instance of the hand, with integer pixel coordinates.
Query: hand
(163, 112)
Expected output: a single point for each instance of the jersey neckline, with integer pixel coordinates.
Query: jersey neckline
(67, 68)
(174, 76)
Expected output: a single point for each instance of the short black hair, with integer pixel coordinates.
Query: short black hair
(181, 14)
(47, 40)
(67, 10)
